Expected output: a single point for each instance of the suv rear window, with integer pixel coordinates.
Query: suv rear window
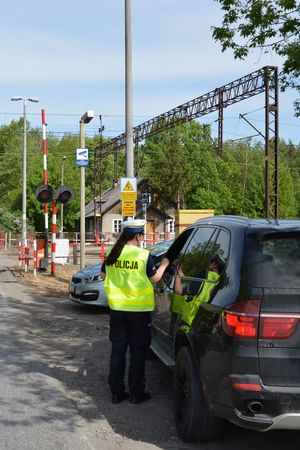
(273, 260)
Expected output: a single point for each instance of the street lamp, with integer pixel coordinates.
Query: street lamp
(34, 100)
(86, 118)
(128, 92)
(62, 205)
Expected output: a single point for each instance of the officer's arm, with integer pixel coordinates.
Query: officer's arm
(102, 274)
(160, 271)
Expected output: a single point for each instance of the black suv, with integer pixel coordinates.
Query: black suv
(227, 320)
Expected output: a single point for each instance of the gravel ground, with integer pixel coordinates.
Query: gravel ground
(72, 342)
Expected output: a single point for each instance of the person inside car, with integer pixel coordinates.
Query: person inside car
(216, 266)
(196, 292)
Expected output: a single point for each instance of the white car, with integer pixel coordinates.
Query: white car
(86, 287)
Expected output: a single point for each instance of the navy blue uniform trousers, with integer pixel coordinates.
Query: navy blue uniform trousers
(128, 329)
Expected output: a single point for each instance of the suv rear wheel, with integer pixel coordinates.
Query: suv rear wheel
(193, 420)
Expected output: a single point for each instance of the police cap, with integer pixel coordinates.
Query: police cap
(135, 225)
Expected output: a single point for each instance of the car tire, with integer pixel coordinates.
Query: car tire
(193, 420)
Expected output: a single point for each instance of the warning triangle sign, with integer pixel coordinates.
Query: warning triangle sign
(128, 187)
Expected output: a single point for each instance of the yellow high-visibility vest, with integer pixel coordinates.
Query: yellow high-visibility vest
(126, 284)
(188, 310)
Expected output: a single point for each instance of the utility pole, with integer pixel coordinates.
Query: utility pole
(128, 92)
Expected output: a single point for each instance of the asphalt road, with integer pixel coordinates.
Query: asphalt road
(35, 412)
(53, 384)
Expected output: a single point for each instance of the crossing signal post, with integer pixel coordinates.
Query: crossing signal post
(44, 194)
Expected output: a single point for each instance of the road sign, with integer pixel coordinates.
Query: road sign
(145, 198)
(128, 189)
(128, 196)
(82, 157)
(128, 184)
(128, 208)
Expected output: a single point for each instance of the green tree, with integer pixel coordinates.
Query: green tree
(290, 176)
(171, 158)
(267, 25)
(212, 188)
(248, 183)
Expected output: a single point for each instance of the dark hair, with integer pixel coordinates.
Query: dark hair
(119, 245)
(219, 261)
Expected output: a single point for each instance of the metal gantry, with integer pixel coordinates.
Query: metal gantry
(271, 144)
(262, 80)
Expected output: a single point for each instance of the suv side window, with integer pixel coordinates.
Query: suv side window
(201, 268)
(194, 260)
(222, 246)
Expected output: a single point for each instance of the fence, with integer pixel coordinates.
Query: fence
(10, 241)
(24, 255)
(30, 257)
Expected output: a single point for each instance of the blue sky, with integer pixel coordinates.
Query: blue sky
(70, 55)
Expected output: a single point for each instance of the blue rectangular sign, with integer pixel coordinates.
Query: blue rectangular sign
(82, 157)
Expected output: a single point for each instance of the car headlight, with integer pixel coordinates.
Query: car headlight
(93, 279)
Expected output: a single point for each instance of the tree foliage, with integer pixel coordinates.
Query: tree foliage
(266, 24)
(170, 161)
(11, 152)
(181, 166)
(186, 166)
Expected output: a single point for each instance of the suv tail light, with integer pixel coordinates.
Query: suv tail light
(242, 320)
(276, 326)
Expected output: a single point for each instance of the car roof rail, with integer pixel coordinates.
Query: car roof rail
(227, 218)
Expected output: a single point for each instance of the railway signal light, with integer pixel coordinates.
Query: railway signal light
(64, 194)
(44, 193)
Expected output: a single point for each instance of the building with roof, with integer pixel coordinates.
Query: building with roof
(105, 216)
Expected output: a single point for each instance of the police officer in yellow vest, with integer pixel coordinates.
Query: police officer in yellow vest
(129, 272)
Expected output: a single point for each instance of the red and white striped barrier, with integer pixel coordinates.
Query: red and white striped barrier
(45, 164)
(45, 182)
(53, 243)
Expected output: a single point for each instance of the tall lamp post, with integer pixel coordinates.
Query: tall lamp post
(24, 217)
(86, 118)
(62, 205)
(128, 92)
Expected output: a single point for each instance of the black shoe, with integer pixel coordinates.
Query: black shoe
(139, 398)
(118, 398)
